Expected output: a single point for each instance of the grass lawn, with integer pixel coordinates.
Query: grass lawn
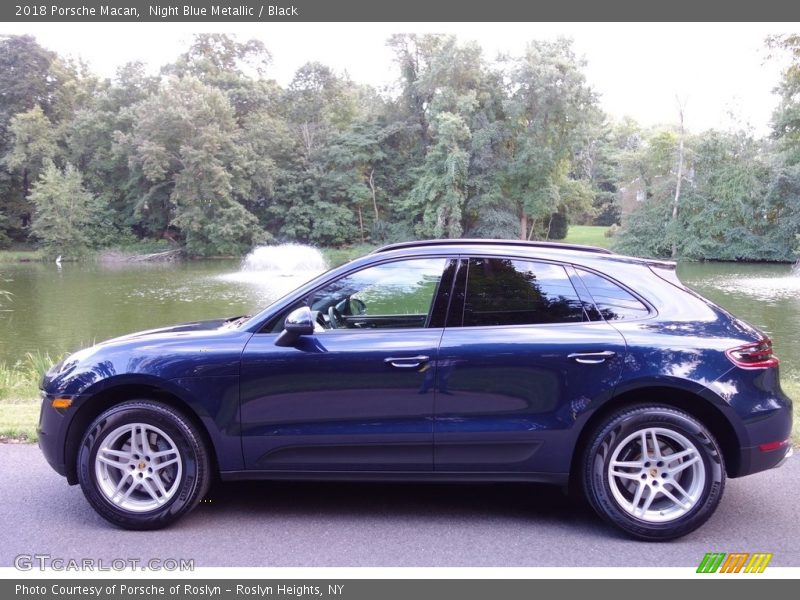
(16, 256)
(18, 420)
(590, 235)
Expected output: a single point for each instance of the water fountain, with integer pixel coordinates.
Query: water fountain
(276, 270)
(286, 260)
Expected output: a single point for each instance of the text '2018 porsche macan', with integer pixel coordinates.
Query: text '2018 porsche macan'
(470, 360)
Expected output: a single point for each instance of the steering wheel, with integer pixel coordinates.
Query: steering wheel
(335, 318)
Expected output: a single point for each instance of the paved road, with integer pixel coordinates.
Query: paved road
(335, 524)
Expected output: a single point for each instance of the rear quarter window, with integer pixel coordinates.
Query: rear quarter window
(613, 302)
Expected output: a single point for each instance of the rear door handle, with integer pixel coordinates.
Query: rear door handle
(406, 362)
(592, 358)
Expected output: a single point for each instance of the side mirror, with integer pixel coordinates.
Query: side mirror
(299, 322)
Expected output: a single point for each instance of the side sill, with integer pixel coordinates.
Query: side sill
(410, 476)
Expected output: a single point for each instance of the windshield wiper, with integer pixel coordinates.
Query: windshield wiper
(235, 321)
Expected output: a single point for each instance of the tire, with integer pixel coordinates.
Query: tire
(142, 465)
(653, 497)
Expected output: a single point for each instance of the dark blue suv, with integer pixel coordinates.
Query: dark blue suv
(470, 360)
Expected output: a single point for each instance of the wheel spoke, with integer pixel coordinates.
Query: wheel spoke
(166, 463)
(677, 487)
(129, 491)
(656, 448)
(624, 475)
(120, 484)
(148, 487)
(637, 497)
(670, 458)
(133, 441)
(118, 453)
(112, 463)
(164, 453)
(649, 500)
(675, 499)
(643, 442)
(684, 465)
(160, 486)
(628, 464)
(144, 443)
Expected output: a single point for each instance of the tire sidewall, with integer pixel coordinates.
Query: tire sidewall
(598, 489)
(184, 498)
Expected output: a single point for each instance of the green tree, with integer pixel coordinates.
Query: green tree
(184, 143)
(65, 214)
(34, 143)
(549, 110)
(441, 193)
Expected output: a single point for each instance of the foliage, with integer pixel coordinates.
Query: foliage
(65, 213)
(213, 156)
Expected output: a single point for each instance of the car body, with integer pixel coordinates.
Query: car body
(473, 360)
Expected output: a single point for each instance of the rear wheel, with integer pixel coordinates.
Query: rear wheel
(142, 465)
(654, 471)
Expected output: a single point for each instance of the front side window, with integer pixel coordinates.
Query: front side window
(504, 291)
(387, 296)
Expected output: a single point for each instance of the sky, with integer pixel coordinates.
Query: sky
(719, 72)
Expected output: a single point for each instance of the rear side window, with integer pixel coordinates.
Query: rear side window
(613, 302)
(518, 292)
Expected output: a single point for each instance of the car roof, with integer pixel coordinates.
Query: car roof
(576, 253)
(491, 242)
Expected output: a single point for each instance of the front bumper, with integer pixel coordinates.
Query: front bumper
(52, 430)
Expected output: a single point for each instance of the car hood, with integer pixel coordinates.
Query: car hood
(200, 348)
(180, 328)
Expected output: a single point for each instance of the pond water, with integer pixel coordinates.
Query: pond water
(57, 310)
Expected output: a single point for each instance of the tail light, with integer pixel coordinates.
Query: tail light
(753, 356)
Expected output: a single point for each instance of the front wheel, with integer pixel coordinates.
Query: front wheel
(142, 465)
(654, 471)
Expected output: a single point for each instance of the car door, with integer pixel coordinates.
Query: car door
(520, 361)
(357, 394)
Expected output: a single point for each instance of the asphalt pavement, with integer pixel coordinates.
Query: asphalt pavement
(290, 524)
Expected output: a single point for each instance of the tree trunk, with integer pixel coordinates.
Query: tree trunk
(372, 188)
(676, 200)
(523, 226)
(361, 224)
(549, 224)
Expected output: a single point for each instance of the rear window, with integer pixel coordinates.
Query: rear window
(613, 302)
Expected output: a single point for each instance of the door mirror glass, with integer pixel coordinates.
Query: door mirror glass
(299, 322)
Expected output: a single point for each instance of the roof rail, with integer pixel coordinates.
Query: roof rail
(493, 242)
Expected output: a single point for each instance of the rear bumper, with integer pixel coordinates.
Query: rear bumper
(768, 441)
(754, 460)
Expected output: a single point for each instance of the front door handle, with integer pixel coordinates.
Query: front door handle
(592, 358)
(406, 362)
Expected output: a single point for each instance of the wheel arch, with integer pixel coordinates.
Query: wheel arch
(692, 403)
(96, 403)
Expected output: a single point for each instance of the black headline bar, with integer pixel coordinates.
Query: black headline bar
(283, 11)
(389, 589)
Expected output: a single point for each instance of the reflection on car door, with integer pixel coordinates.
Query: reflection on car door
(355, 396)
(519, 360)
